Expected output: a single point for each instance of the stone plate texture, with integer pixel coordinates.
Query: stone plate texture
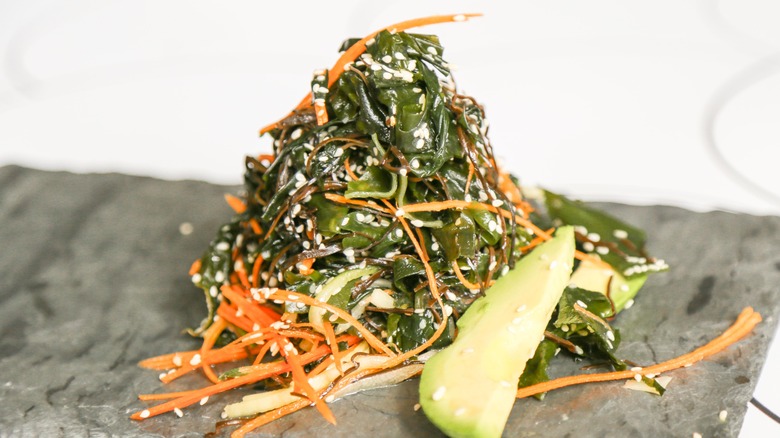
(93, 278)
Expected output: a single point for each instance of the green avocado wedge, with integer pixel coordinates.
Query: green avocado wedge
(468, 389)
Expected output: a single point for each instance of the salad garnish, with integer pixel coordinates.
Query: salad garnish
(377, 221)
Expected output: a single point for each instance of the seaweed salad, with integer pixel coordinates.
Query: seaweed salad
(379, 218)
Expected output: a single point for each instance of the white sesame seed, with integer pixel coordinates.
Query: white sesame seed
(447, 310)
(610, 335)
(629, 303)
(186, 228)
(415, 164)
(439, 393)
(296, 134)
(497, 203)
(578, 350)
(581, 304)
(223, 415)
(459, 412)
(145, 413)
(178, 412)
(213, 291)
(722, 416)
(553, 264)
(306, 244)
(177, 360)
(696, 435)
(196, 278)
(638, 377)
(620, 234)
(222, 246)
(435, 246)
(432, 50)
(588, 247)
(492, 226)
(400, 212)
(418, 223)
(195, 360)
(204, 400)
(402, 171)
(459, 17)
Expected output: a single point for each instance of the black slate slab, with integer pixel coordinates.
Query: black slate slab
(93, 278)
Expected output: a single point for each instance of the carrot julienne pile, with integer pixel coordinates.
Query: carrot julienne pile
(379, 218)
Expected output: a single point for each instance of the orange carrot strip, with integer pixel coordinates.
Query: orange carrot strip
(255, 226)
(462, 278)
(210, 337)
(259, 373)
(359, 47)
(256, 271)
(367, 335)
(195, 267)
(342, 200)
(258, 314)
(235, 203)
(306, 265)
(745, 323)
(330, 336)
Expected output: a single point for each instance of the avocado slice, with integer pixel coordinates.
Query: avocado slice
(594, 278)
(468, 388)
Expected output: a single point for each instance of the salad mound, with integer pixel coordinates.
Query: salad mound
(378, 219)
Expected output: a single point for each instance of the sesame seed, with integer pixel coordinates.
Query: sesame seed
(196, 278)
(497, 203)
(178, 412)
(195, 360)
(400, 212)
(145, 413)
(581, 304)
(578, 350)
(459, 17)
(402, 171)
(387, 58)
(330, 398)
(435, 246)
(629, 303)
(447, 310)
(638, 377)
(204, 400)
(177, 360)
(387, 75)
(610, 335)
(432, 50)
(418, 223)
(415, 164)
(620, 234)
(460, 411)
(186, 228)
(417, 407)
(439, 393)
(553, 264)
(222, 246)
(696, 435)
(588, 247)
(492, 226)
(223, 415)
(722, 416)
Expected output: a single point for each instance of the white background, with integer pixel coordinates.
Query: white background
(673, 102)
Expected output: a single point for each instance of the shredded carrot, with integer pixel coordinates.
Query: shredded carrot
(462, 278)
(259, 373)
(744, 324)
(195, 267)
(304, 266)
(210, 337)
(366, 204)
(346, 316)
(359, 47)
(235, 203)
(256, 271)
(330, 336)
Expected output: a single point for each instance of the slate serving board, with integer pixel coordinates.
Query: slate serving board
(93, 278)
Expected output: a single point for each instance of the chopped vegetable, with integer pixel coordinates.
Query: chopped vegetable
(378, 220)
